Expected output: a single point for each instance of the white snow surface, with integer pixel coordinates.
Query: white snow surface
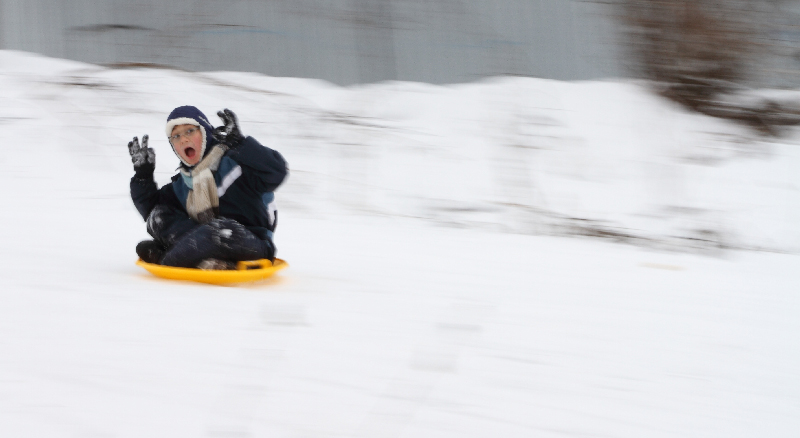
(431, 291)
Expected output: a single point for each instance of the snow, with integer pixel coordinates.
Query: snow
(436, 288)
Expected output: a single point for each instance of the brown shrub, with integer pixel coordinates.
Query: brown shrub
(699, 51)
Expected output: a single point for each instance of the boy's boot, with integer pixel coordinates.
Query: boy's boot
(216, 265)
(150, 251)
(271, 250)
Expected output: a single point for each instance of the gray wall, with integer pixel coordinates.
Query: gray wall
(343, 41)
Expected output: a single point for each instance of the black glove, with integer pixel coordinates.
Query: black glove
(143, 157)
(229, 134)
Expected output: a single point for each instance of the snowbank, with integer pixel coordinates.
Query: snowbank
(514, 154)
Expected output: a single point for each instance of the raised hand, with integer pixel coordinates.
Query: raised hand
(143, 157)
(229, 134)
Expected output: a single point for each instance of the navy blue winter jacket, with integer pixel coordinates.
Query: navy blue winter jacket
(246, 179)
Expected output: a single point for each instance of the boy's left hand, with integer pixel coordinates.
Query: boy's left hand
(229, 134)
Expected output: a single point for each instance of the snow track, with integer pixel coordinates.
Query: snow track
(425, 297)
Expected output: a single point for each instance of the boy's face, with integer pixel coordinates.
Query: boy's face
(188, 143)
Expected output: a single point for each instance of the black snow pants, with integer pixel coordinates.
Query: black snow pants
(188, 243)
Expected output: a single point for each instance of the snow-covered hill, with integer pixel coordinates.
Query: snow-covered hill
(429, 293)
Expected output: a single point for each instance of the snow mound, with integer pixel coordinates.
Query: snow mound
(521, 155)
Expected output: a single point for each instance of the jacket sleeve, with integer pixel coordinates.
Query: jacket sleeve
(267, 168)
(146, 195)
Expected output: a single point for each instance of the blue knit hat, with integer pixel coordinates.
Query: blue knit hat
(189, 115)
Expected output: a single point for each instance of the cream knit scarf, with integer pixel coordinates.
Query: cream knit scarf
(202, 204)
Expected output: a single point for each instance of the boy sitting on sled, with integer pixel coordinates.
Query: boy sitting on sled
(219, 209)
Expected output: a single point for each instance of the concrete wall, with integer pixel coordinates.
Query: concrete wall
(343, 41)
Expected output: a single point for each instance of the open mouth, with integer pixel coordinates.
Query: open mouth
(190, 152)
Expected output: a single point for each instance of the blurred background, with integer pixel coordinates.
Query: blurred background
(342, 41)
(671, 97)
(360, 41)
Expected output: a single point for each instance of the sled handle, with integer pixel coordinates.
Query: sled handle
(253, 264)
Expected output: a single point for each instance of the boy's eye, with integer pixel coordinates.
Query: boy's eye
(187, 133)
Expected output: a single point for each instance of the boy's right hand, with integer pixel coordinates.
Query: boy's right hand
(143, 158)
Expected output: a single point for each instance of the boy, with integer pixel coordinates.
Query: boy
(219, 209)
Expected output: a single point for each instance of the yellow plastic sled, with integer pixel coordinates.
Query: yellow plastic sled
(245, 272)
